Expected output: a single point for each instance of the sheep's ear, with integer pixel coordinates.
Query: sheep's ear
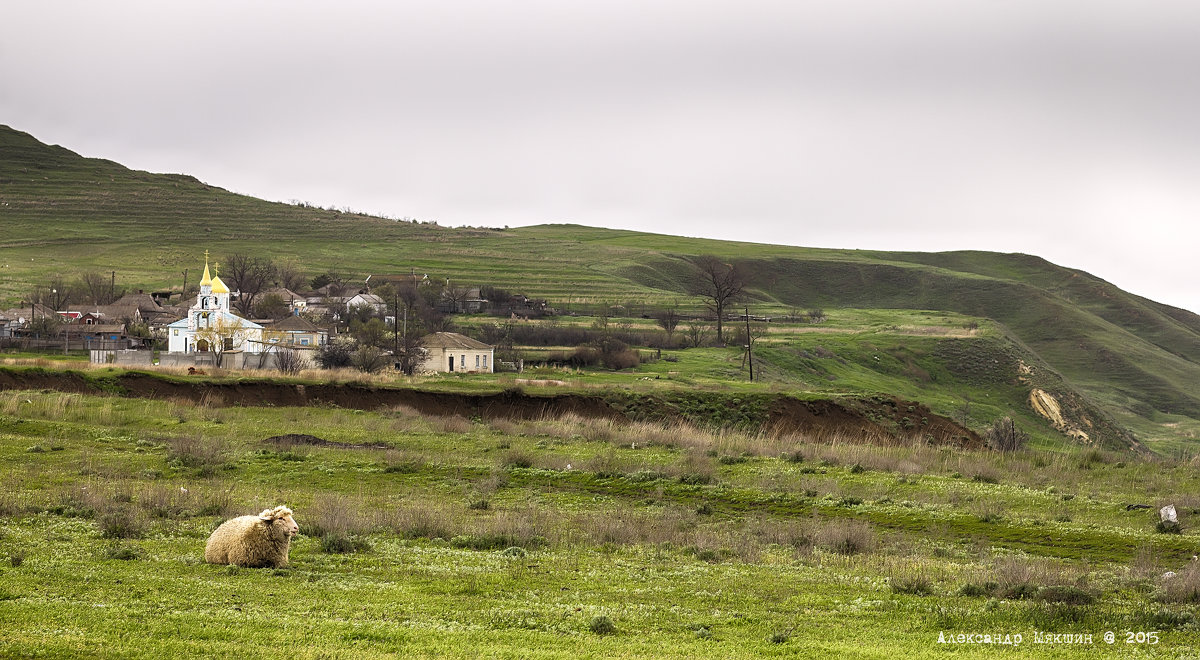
(267, 514)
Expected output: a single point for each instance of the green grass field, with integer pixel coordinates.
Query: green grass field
(441, 536)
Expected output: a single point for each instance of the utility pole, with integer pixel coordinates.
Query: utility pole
(395, 319)
(183, 293)
(112, 288)
(749, 345)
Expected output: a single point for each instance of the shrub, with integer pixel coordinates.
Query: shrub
(602, 625)
(515, 552)
(778, 637)
(1183, 588)
(1168, 527)
(335, 354)
(338, 543)
(1005, 436)
(518, 459)
(122, 552)
(1066, 595)
(197, 452)
(913, 585)
(16, 558)
(120, 524)
(976, 590)
(847, 537)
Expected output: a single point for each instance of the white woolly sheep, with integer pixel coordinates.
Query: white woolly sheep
(260, 541)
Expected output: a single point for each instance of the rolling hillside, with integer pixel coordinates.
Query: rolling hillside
(1136, 360)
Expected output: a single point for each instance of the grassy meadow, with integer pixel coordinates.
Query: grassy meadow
(437, 536)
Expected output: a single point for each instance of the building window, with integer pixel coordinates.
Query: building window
(304, 341)
(476, 360)
(175, 332)
(485, 362)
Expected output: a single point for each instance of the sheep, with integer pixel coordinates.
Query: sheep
(260, 541)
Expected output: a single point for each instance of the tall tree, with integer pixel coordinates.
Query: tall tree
(719, 283)
(249, 276)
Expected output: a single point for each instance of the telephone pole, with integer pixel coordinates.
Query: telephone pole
(749, 345)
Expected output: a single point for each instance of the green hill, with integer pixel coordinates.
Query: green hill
(1122, 359)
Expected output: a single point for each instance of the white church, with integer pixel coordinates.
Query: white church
(209, 321)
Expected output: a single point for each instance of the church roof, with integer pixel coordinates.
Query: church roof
(217, 285)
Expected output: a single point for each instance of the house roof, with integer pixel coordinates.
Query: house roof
(115, 311)
(452, 340)
(296, 324)
(368, 298)
(287, 295)
(143, 301)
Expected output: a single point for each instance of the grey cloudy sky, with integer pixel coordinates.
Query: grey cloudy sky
(1062, 128)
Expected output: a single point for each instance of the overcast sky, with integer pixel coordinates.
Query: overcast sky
(1058, 128)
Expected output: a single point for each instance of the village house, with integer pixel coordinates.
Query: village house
(297, 332)
(452, 352)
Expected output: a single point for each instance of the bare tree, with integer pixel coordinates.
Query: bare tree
(668, 321)
(94, 288)
(695, 332)
(288, 360)
(457, 296)
(56, 296)
(289, 275)
(249, 276)
(719, 283)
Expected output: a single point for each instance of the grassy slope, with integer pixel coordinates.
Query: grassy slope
(64, 214)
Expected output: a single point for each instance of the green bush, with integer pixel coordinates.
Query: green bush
(1066, 595)
(602, 625)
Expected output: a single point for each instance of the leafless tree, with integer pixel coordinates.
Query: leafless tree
(248, 275)
(289, 275)
(457, 296)
(695, 332)
(668, 320)
(287, 360)
(719, 283)
(94, 288)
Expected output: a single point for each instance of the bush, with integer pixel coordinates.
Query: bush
(337, 543)
(335, 354)
(120, 524)
(847, 537)
(369, 359)
(976, 590)
(1168, 527)
(1005, 436)
(122, 552)
(1066, 595)
(913, 585)
(602, 625)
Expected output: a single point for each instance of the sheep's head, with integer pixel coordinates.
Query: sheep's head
(281, 522)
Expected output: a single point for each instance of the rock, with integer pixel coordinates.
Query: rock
(1168, 575)
(1167, 513)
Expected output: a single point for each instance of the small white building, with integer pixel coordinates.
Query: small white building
(452, 352)
(209, 321)
(377, 304)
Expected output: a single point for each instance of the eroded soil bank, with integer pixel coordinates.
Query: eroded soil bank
(874, 418)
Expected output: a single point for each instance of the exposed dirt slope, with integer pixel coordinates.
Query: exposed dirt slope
(875, 419)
